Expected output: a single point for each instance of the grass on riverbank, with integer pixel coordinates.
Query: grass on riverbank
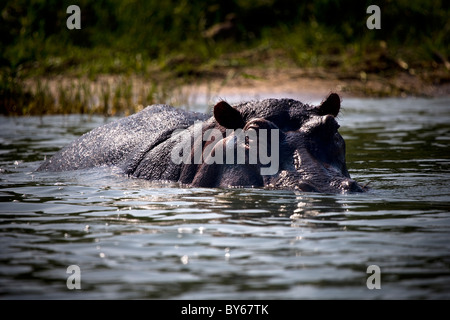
(144, 53)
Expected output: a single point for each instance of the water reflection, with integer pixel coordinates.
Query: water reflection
(138, 239)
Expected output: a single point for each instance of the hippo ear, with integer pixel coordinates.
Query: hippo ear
(227, 116)
(331, 105)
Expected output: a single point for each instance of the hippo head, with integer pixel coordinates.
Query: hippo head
(287, 145)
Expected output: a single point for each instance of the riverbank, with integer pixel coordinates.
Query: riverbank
(123, 94)
(116, 83)
(319, 81)
(129, 54)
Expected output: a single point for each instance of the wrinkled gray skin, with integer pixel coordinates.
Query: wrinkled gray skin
(311, 151)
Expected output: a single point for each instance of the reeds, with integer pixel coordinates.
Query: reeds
(107, 95)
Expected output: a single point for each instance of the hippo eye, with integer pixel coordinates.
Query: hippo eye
(252, 126)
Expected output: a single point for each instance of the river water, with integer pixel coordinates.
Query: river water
(133, 239)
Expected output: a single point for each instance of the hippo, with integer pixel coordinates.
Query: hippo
(270, 143)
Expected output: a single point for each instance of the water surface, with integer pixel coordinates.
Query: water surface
(134, 239)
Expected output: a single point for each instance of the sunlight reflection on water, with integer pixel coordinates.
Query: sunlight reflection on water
(139, 239)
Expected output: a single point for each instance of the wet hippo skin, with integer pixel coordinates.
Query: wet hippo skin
(271, 143)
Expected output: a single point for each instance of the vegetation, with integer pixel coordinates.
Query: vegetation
(131, 52)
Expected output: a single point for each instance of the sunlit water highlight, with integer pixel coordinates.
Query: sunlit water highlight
(135, 239)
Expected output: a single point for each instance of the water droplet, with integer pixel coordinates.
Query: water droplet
(184, 259)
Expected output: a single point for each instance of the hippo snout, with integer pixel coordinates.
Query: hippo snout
(350, 185)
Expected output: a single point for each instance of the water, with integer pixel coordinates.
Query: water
(133, 239)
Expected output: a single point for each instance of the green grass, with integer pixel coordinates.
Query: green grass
(131, 53)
